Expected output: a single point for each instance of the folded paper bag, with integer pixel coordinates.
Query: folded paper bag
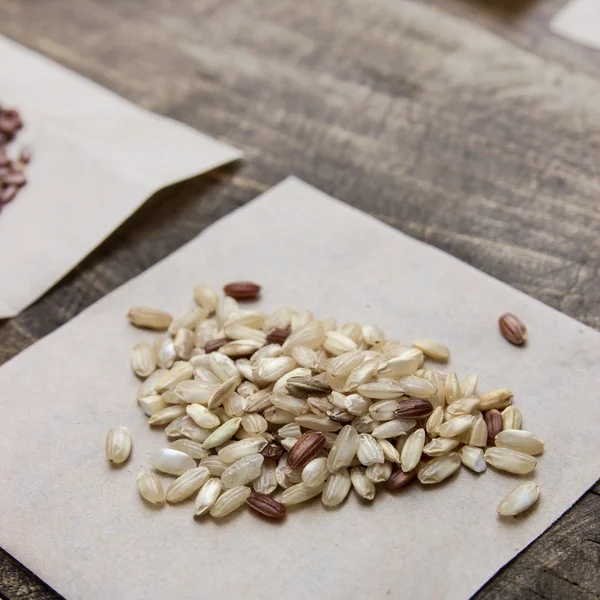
(579, 21)
(96, 159)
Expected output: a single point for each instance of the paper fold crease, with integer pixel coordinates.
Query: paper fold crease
(96, 159)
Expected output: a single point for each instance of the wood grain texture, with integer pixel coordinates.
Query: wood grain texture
(525, 23)
(484, 147)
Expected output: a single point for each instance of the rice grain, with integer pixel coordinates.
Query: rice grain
(229, 501)
(344, 449)
(509, 460)
(524, 496)
(472, 458)
(150, 487)
(243, 471)
(412, 450)
(337, 488)
(118, 445)
(173, 462)
(439, 469)
(207, 496)
(186, 484)
(143, 361)
(149, 318)
(222, 433)
(369, 451)
(433, 350)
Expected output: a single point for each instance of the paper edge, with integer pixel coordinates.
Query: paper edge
(435, 248)
(224, 153)
(536, 538)
(565, 30)
(8, 311)
(293, 180)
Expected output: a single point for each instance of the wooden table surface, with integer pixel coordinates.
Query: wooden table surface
(463, 123)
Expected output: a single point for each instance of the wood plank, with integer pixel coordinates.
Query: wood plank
(432, 124)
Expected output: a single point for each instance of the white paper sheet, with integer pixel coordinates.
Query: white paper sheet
(96, 159)
(579, 21)
(81, 526)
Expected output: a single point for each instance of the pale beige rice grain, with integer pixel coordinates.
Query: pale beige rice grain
(344, 449)
(369, 452)
(230, 500)
(118, 445)
(362, 485)
(337, 488)
(378, 473)
(150, 487)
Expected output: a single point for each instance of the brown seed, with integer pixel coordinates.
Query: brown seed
(12, 177)
(398, 479)
(267, 506)
(305, 449)
(15, 178)
(272, 451)
(493, 420)
(513, 329)
(278, 335)
(12, 116)
(242, 290)
(305, 387)
(214, 345)
(414, 408)
(7, 127)
(25, 156)
(8, 193)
